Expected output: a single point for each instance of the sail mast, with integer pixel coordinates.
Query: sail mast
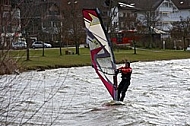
(115, 84)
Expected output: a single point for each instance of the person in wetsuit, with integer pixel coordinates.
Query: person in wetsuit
(125, 82)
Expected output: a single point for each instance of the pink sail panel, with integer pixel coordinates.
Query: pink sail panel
(86, 14)
(107, 84)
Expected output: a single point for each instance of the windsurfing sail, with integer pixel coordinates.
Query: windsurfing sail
(100, 49)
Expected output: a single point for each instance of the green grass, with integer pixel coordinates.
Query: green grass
(151, 55)
(52, 58)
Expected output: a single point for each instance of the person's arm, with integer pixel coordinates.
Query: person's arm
(119, 69)
(126, 70)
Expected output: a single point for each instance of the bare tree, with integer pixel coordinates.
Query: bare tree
(72, 23)
(28, 99)
(18, 92)
(148, 19)
(10, 27)
(181, 30)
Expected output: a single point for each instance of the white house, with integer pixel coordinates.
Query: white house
(158, 14)
(168, 13)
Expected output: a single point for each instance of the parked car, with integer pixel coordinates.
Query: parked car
(57, 44)
(19, 45)
(188, 48)
(40, 44)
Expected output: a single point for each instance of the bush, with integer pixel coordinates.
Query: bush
(8, 66)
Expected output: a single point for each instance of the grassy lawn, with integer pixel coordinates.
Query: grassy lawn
(53, 59)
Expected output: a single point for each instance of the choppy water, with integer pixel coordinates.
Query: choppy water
(159, 94)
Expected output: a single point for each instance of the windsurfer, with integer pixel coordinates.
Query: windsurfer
(125, 82)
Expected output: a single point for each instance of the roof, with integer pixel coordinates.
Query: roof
(182, 4)
(153, 4)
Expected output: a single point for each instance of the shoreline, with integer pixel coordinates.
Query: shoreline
(43, 68)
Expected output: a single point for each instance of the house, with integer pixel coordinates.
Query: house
(153, 16)
(10, 23)
(162, 13)
(62, 19)
(171, 11)
(41, 19)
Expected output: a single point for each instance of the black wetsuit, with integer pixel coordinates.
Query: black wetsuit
(125, 82)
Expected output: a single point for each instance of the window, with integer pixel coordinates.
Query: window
(128, 14)
(119, 37)
(165, 4)
(124, 14)
(6, 15)
(164, 14)
(115, 24)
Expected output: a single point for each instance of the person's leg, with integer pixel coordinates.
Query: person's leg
(120, 87)
(122, 96)
(123, 92)
(118, 95)
(119, 92)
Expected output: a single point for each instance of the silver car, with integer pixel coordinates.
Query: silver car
(19, 45)
(40, 44)
(188, 48)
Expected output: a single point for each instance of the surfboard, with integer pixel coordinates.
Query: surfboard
(114, 102)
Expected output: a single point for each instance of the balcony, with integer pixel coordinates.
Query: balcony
(169, 19)
(165, 9)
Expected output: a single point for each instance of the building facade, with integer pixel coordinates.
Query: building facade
(61, 20)
(10, 23)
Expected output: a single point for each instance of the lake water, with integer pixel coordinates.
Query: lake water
(159, 94)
